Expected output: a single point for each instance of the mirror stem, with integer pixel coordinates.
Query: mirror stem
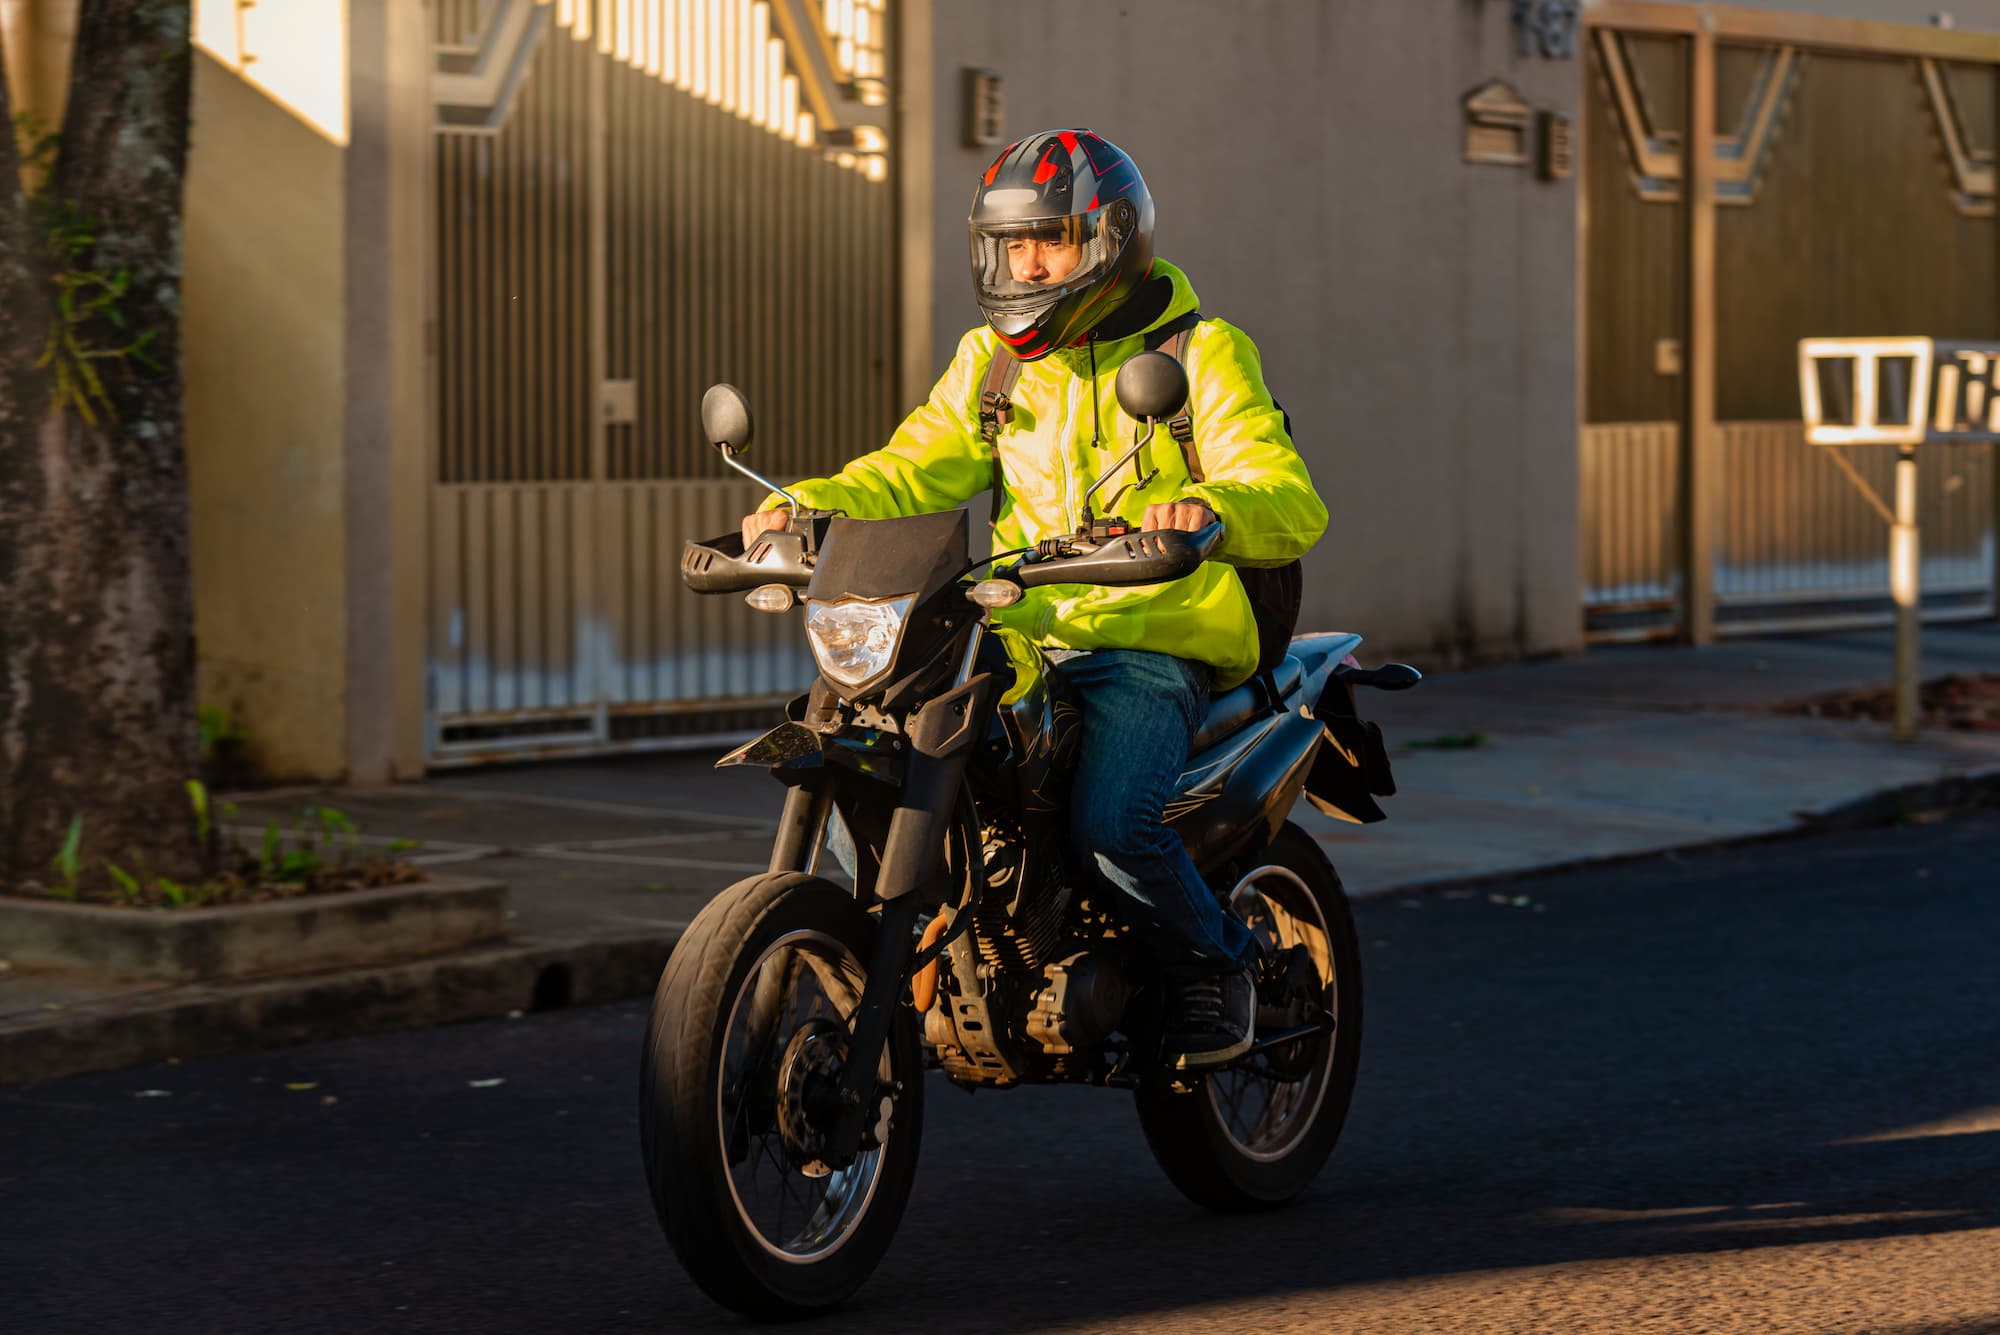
(729, 457)
(1106, 475)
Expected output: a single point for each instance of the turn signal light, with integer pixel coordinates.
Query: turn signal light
(772, 598)
(991, 593)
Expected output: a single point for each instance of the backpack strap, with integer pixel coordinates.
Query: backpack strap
(1172, 338)
(996, 412)
(996, 404)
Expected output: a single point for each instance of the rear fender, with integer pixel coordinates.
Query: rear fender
(1352, 768)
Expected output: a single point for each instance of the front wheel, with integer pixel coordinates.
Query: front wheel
(744, 1051)
(1254, 1135)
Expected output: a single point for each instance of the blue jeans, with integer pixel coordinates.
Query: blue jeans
(1140, 713)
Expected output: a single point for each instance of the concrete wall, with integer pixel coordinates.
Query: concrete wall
(264, 326)
(1417, 314)
(1979, 14)
(389, 369)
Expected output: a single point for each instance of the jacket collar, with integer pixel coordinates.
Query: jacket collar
(1077, 360)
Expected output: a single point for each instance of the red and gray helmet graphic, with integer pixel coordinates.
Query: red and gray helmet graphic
(1069, 171)
(1066, 174)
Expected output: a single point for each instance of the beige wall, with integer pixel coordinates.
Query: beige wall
(1416, 313)
(388, 376)
(1981, 14)
(264, 328)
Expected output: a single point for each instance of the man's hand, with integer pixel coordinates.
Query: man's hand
(1187, 516)
(763, 522)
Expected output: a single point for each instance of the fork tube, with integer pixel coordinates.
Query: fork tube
(972, 643)
(801, 827)
(941, 741)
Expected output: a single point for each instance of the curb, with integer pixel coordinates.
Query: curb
(298, 935)
(213, 1020)
(1879, 810)
(220, 1019)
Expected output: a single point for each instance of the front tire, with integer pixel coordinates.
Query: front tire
(1253, 1135)
(748, 1025)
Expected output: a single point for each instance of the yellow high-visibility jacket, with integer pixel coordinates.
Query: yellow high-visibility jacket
(1255, 483)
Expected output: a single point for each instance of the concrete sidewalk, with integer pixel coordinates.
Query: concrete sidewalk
(1619, 752)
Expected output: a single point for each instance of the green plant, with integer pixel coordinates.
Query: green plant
(267, 861)
(198, 799)
(404, 845)
(85, 295)
(127, 883)
(332, 823)
(214, 727)
(67, 863)
(176, 894)
(1450, 741)
(224, 746)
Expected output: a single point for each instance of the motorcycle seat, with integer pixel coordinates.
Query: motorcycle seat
(1252, 700)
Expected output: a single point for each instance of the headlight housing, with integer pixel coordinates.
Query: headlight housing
(854, 640)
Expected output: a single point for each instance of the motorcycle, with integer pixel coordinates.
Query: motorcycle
(782, 1081)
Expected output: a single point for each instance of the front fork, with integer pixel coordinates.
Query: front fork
(941, 736)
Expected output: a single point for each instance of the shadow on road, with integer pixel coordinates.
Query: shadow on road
(1753, 1074)
(1710, 1054)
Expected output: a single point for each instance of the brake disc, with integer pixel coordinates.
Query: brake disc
(809, 1077)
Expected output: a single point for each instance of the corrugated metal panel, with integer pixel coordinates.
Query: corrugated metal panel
(1631, 529)
(725, 245)
(1801, 547)
(669, 647)
(513, 283)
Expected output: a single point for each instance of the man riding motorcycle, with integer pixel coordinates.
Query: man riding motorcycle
(1064, 273)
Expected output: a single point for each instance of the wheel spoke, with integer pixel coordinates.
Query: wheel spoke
(1280, 909)
(786, 1031)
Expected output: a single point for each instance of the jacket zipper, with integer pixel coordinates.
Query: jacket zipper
(1071, 413)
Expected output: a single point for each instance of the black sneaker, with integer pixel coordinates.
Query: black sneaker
(1210, 1021)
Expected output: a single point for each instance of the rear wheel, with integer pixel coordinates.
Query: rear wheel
(744, 1054)
(1254, 1134)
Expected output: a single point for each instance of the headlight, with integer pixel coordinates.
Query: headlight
(855, 640)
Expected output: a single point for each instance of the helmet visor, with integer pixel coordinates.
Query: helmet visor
(1034, 262)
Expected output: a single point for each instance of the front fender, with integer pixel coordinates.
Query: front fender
(793, 752)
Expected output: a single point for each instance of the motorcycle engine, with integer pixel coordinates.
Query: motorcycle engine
(1025, 989)
(1018, 926)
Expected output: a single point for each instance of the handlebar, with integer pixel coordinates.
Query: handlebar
(720, 565)
(783, 556)
(1152, 557)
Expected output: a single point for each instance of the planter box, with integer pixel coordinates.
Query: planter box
(310, 932)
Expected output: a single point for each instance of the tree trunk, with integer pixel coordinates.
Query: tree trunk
(97, 708)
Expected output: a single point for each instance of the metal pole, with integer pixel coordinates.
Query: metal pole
(1701, 445)
(1903, 584)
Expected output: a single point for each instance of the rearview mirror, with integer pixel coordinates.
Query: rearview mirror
(725, 417)
(1151, 387)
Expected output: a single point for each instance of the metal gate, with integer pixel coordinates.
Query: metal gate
(1850, 189)
(635, 199)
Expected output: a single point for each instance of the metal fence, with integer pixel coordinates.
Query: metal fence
(616, 232)
(1631, 525)
(1797, 547)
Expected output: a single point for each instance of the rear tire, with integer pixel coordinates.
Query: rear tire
(763, 984)
(1218, 1155)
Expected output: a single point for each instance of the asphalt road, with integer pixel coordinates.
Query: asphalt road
(1752, 1090)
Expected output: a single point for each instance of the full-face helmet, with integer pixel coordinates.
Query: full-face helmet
(1062, 232)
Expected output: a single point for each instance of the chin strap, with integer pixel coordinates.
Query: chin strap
(1096, 427)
